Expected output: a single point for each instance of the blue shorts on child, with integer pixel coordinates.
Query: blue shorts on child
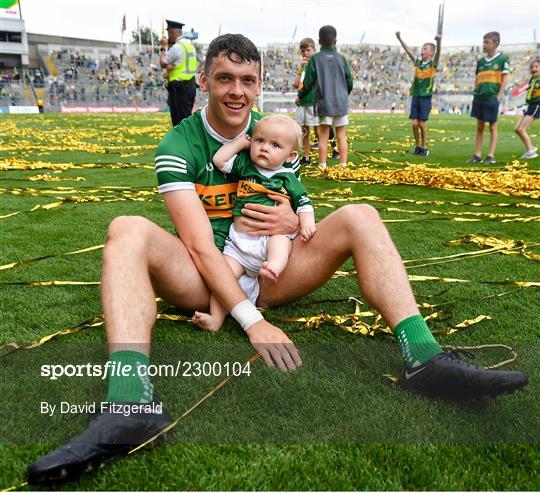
(420, 108)
(533, 109)
(486, 110)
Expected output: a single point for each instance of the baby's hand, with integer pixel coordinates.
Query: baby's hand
(306, 232)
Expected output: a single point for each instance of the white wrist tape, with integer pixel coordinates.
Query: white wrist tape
(246, 314)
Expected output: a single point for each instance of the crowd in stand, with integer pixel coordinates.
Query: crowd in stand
(382, 76)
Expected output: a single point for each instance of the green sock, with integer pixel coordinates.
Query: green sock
(417, 342)
(134, 387)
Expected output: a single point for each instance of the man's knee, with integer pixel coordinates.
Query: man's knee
(128, 227)
(354, 215)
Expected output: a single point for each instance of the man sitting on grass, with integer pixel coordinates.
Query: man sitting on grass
(142, 261)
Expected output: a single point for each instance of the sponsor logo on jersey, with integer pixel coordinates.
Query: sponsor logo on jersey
(247, 188)
(218, 200)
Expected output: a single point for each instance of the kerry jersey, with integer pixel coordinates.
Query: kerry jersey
(424, 75)
(489, 72)
(184, 161)
(256, 183)
(533, 91)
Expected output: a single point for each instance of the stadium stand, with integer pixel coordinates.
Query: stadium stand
(69, 73)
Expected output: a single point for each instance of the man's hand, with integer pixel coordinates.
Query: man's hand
(164, 42)
(268, 220)
(297, 101)
(398, 35)
(274, 346)
(438, 38)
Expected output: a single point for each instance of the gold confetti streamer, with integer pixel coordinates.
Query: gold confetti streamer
(503, 245)
(29, 261)
(515, 183)
(49, 177)
(96, 321)
(50, 283)
(254, 358)
(15, 487)
(346, 195)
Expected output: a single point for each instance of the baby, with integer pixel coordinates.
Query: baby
(276, 140)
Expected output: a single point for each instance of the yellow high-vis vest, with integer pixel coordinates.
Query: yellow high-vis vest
(188, 68)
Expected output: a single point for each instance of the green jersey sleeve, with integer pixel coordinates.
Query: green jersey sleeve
(174, 163)
(300, 201)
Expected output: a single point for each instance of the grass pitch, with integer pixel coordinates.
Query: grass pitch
(335, 424)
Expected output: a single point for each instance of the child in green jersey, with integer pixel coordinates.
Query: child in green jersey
(276, 139)
(532, 112)
(491, 79)
(422, 89)
(305, 111)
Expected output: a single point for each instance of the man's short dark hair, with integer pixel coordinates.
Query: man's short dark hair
(229, 45)
(493, 35)
(327, 36)
(432, 46)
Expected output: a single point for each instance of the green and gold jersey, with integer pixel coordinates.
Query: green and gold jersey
(256, 183)
(184, 161)
(489, 72)
(533, 91)
(424, 75)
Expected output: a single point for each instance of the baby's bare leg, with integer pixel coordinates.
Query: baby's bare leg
(278, 250)
(214, 320)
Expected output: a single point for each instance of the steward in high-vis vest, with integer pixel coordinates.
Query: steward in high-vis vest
(180, 64)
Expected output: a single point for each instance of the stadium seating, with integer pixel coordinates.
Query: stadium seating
(382, 76)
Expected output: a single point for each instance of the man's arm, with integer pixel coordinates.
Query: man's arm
(193, 226)
(409, 52)
(438, 39)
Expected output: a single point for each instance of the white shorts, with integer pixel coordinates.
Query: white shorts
(249, 251)
(305, 115)
(335, 121)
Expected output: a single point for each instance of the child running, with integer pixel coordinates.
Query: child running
(422, 89)
(276, 139)
(532, 112)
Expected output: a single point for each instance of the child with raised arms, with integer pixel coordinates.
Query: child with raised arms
(425, 68)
